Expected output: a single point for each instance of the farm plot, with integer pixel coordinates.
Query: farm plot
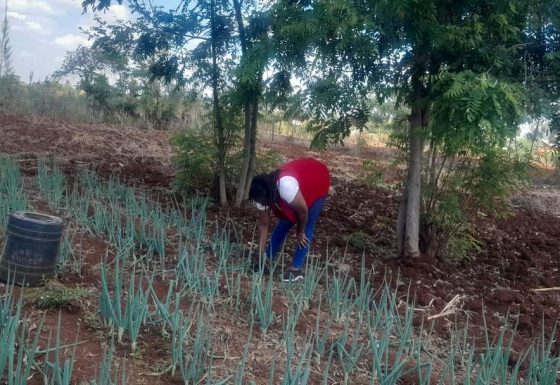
(159, 292)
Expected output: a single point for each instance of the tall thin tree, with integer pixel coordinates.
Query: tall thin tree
(5, 46)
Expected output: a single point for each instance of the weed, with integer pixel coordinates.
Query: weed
(55, 295)
(372, 174)
(357, 239)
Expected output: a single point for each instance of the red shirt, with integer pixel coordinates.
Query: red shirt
(313, 179)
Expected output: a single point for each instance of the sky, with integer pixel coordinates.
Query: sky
(42, 31)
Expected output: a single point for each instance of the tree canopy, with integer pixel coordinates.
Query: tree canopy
(468, 72)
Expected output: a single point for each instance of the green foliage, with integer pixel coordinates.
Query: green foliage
(462, 243)
(372, 175)
(55, 296)
(495, 178)
(267, 161)
(554, 125)
(474, 112)
(195, 160)
(357, 239)
(474, 117)
(467, 186)
(131, 102)
(46, 98)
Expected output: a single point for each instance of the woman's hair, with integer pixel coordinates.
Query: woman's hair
(264, 189)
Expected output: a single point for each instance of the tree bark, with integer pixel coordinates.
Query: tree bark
(218, 125)
(252, 144)
(251, 105)
(246, 162)
(401, 223)
(240, 25)
(414, 192)
(408, 223)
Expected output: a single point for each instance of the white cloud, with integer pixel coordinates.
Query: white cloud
(19, 28)
(119, 11)
(28, 23)
(16, 15)
(71, 41)
(39, 6)
(68, 3)
(112, 14)
(34, 26)
(26, 54)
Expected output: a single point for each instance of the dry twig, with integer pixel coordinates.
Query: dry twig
(544, 289)
(450, 308)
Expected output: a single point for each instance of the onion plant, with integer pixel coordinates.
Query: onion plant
(232, 283)
(262, 302)
(312, 277)
(136, 304)
(105, 372)
(190, 269)
(321, 337)
(384, 370)
(195, 363)
(52, 184)
(300, 374)
(70, 259)
(494, 359)
(365, 293)
(327, 368)
(10, 313)
(21, 364)
(180, 326)
(271, 373)
(58, 371)
(349, 350)
(136, 309)
(340, 291)
(240, 372)
(544, 367)
(164, 309)
(12, 194)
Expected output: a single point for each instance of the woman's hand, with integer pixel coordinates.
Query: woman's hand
(302, 240)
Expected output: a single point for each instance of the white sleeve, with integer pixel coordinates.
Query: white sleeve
(288, 187)
(260, 207)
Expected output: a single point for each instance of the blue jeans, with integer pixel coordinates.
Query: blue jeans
(281, 230)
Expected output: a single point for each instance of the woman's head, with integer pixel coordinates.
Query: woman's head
(264, 190)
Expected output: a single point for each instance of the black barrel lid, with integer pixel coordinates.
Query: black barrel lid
(38, 218)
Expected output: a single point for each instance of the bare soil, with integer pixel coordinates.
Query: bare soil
(519, 251)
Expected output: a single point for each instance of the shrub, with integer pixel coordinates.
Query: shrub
(462, 191)
(267, 161)
(372, 174)
(357, 239)
(195, 160)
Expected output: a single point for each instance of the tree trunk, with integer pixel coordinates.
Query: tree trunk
(408, 223)
(252, 145)
(401, 223)
(251, 113)
(273, 123)
(246, 162)
(240, 25)
(218, 126)
(412, 227)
